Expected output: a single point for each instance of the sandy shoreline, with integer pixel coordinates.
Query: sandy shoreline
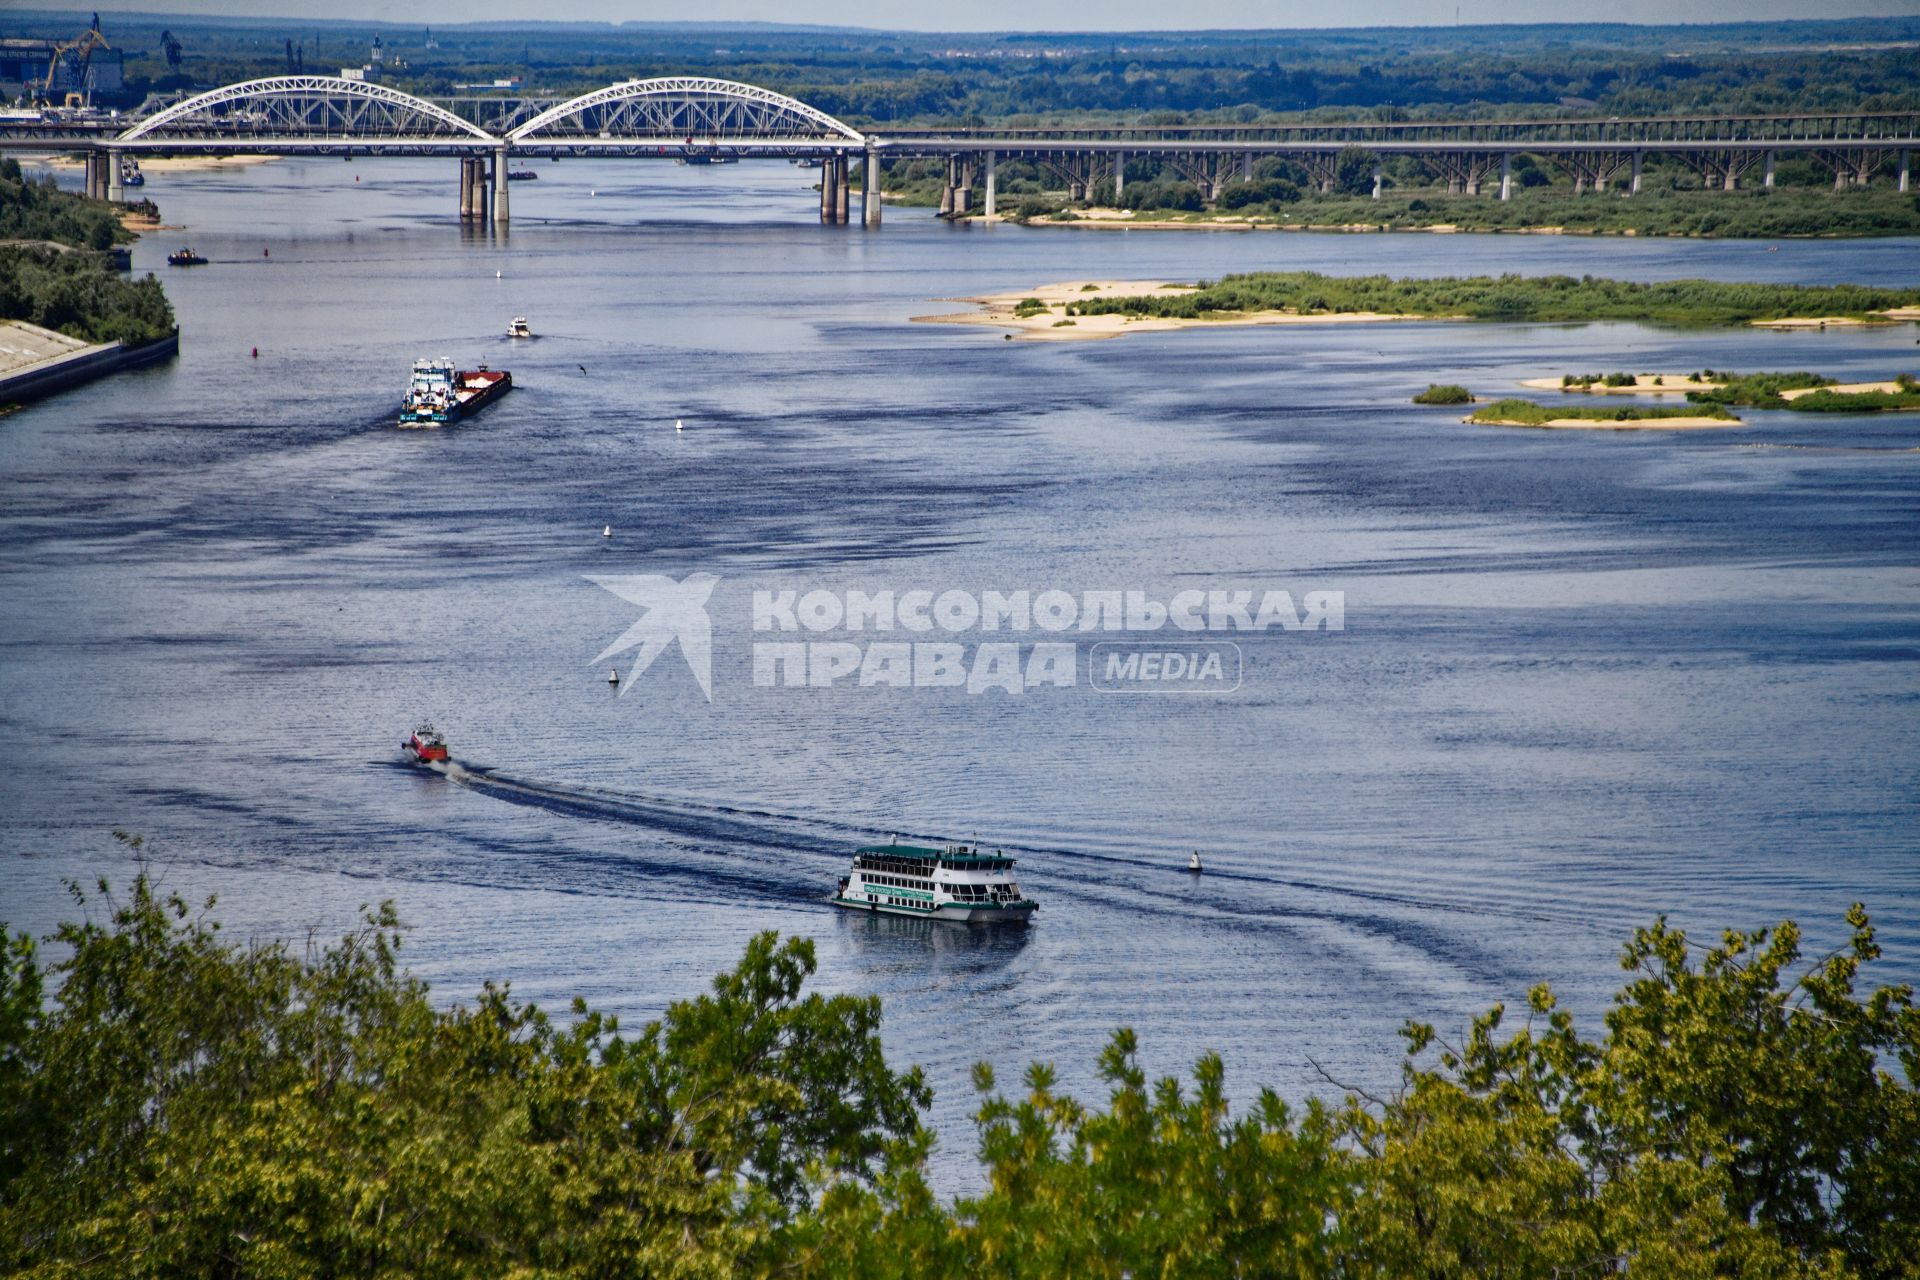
(1608, 424)
(173, 164)
(1670, 384)
(1053, 324)
(1893, 316)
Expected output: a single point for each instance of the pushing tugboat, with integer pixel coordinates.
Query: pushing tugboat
(185, 258)
(426, 746)
(439, 393)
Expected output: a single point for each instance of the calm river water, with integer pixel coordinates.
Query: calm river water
(1585, 678)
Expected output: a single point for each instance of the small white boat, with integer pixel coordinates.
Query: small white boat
(613, 677)
(518, 328)
(1193, 863)
(607, 532)
(679, 425)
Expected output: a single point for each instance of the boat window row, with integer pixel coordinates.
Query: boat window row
(904, 882)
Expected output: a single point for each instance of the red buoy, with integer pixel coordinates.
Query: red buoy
(256, 353)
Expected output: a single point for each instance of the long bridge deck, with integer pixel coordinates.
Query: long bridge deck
(691, 117)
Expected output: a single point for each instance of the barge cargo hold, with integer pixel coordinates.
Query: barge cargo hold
(438, 393)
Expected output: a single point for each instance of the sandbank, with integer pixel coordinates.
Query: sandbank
(174, 164)
(1643, 384)
(1844, 388)
(1611, 424)
(1046, 326)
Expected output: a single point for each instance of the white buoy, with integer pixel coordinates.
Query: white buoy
(679, 425)
(496, 275)
(613, 677)
(607, 532)
(1193, 863)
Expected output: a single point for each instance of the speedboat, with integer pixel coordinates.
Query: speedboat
(518, 328)
(426, 746)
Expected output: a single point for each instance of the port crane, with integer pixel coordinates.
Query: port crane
(78, 57)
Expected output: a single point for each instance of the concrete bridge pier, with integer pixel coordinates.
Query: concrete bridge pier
(842, 190)
(500, 203)
(1766, 179)
(1379, 180)
(116, 182)
(1732, 181)
(1506, 175)
(870, 189)
(1633, 186)
(829, 198)
(963, 189)
(1119, 174)
(478, 188)
(992, 164)
(1905, 166)
(96, 175)
(466, 188)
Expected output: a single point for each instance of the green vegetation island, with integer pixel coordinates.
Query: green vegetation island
(55, 271)
(1525, 413)
(1109, 308)
(175, 1103)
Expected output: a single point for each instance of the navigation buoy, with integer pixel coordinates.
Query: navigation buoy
(496, 275)
(256, 353)
(607, 532)
(1193, 863)
(613, 677)
(265, 252)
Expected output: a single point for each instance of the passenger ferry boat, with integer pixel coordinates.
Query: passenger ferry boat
(426, 745)
(958, 882)
(438, 393)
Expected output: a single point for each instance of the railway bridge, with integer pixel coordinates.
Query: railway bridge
(699, 119)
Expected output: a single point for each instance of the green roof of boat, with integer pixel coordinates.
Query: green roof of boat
(921, 851)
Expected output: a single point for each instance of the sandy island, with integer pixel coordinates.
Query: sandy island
(1643, 384)
(1892, 316)
(1611, 424)
(1844, 388)
(1053, 324)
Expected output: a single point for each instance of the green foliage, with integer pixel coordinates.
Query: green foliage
(184, 1105)
(1527, 413)
(1515, 297)
(41, 211)
(79, 295)
(1444, 393)
(1828, 401)
(1028, 307)
(1760, 390)
(193, 1107)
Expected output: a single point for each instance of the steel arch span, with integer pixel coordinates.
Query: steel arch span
(317, 109)
(674, 110)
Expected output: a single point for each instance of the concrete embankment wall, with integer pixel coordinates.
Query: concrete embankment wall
(61, 372)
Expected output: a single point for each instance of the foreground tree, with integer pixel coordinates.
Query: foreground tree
(183, 1106)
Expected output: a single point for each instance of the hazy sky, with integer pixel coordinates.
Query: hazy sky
(1049, 15)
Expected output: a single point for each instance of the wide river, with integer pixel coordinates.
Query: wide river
(1584, 678)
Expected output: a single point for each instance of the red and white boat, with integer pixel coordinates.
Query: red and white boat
(426, 746)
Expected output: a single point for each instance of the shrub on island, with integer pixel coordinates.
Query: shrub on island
(1448, 393)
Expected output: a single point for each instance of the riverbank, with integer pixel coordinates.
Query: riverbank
(37, 362)
(1781, 213)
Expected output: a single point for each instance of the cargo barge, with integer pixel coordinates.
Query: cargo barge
(439, 393)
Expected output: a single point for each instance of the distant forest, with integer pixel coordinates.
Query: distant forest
(878, 78)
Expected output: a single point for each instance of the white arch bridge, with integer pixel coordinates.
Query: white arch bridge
(691, 118)
(699, 119)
